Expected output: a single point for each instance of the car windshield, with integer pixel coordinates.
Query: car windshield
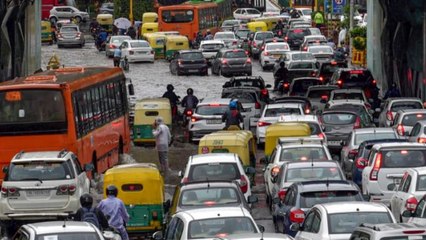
(264, 35)
(177, 16)
(224, 36)
(396, 106)
(339, 118)
(192, 56)
(248, 83)
(277, 47)
(211, 109)
(405, 158)
(243, 97)
(313, 173)
(212, 46)
(309, 199)
(139, 44)
(345, 223)
(301, 153)
(353, 95)
(235, 54)
(214, 227)
(327, 50)
(40, 170)
(411, 119)
(298, 33)
(361, 137)
(69, 236)
(307, 12)
(276, 112)
(209, 196)
(214, 171)
(319, 93)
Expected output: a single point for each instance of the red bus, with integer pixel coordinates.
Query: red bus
(193, 17)
(84, 110)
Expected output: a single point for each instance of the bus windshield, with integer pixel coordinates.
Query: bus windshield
(177, 16)
(32, 111)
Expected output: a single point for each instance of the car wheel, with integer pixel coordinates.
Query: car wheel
(263, 68)
(78, 19)
(53, 20)
(219, 72)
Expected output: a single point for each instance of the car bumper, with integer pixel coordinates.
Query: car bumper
(193, 69)
(236, 69)
(141, 58)
(70, 41)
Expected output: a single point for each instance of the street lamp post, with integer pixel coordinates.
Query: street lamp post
(131, 12)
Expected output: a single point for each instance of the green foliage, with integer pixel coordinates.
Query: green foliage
(359, 32)
(359, 43)
(122, 8)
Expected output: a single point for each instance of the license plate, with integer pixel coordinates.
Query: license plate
(333, 142)
(193, 70)
(142, 52)
(214, 121)
(37, 193)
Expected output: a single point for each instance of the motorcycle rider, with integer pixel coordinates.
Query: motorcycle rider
(173, 98)
(190, 101)
(101, 39)
(232, 117)
(280, 75)
(279, 28)
(209, 35)
(392, 92)
(86, 202)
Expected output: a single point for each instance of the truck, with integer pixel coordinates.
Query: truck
(47, 5)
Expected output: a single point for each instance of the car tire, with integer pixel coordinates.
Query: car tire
(219, 72)
(78, 19)
(249, 73)
(263, 68)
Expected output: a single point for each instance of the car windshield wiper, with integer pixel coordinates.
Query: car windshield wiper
(32, 179)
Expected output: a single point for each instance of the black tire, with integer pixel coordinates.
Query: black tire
(219, 72)
(264, 68)
(249, 73)
(78, 19)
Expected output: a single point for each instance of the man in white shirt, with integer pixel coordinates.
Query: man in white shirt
(162, 140)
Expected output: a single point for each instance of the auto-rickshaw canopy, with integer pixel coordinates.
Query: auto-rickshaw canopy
(283, 129)
(257, 26)
(149, 28)
(150, 17)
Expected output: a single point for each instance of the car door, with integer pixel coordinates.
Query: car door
(173, 63)
(414, 132)
(312, 226)
(398, 196)
(289, 203)
(83, 181)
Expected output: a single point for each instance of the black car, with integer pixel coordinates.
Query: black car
(188, 62)
(295, 37)
(299, 86)
(327, 70)
(230, 62)
(353, 78)
(250, 81)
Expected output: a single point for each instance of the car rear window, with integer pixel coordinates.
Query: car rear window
(319, 93)
(345, 223)
(214, 171)
(313, 173)
(209, 196)
(302, 56)
(69, 235)
(297, 33)
(214, 227)
(355, 77)
(396, 106)
(213, 46)
(359, 138)
(264, 35)
(301, 86)
(211, 109)
(40, 170)
(277, 47)
(192, 56)
(302, 65)
(339, 118)
(248, 83)
(276, 112)
(302, 154)
(243, 97)
(354, 95)
(326, 50)
(411, 119)
(404, 158)
(330, 68)
(235, 54)
(309, 199)
(242, 34)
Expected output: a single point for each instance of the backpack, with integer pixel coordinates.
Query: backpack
(89, 215)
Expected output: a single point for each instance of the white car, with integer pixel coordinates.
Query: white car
(41, 185)
(409, 192)
(350, 94)
(321, 52)
(228, 38)
(137, 51)
(418, 216)
(246, 13)
(418, 133)
(338, 220)
(209, 48)
(217, 166)
(393, 105)
(311, 120)
(208, 223)
(305, 13)
(66, 12)
(389, 231)
(386, 164)
(292, 149)
(294, 56)
(271, 53)
(271, 114)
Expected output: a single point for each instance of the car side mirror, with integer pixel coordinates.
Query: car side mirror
(407, 214)
(88, 167)
(157, 235)
(250, 170)
(252, 199)
(261, 228)
(392, 187)
(268, 86)
(5, 169)
(295, 227)
(166, 205)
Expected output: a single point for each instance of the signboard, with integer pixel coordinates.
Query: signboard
(327, 7)
(338, 6)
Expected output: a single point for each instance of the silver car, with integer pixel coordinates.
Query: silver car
(209, 48)
(228, 38)
(393, 105)
(67, 12)
(114, 42)
(418, 133)
(70, 35)
(405, 120)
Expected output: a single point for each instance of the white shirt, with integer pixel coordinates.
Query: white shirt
(162, 137)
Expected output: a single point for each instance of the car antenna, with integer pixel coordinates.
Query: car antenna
(261, 236)
(65, 221)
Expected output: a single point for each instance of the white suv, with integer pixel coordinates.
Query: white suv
(389, 231)
(42, 184)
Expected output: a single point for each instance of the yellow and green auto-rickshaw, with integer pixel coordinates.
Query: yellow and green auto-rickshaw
(150, 17)
(105, 21)
(141, 188)
(156, 41)
(46, 32)
(168, 33)
(149, 28)
(257, 26)
(146, 110)
(283, 129)
(240, 142)
(270, 21)
(173, 44)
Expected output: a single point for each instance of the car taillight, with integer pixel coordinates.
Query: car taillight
(377, 165)
(357, 123)
(389, 116)
(131, 52)
(247, 53)
(264, 92)
(188, 112)
(321, 135)
(374, 82)
(224, 61)
(305, 49)
(9, 192)
(400, 130)
(257, 105)
(339, 83)
(154, 215)
(194, 119)
(286, 39)
(248, 61)
(112, 46)
(234, 43)
(297, 216)
(274, 171)
(421, 140)
(78, 34)
(321, 78)
(282, 193)
(361, 163)
(244, 184)
(263, 124)
(307, 111)
(411, 204)
(413, 231)
(286, 85)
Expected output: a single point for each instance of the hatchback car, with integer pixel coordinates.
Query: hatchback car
(70, 35)
(299, 86)
(189, 62)
(306, 103)
(114, 42)
(250, 81)
(228, 38)
(217, 166)
(390, 231)
(295, 37)
(350, 94)
(292, 56)
(386, 164)
(405, 119)
(137, 51)
(209, 48)
(393, 105)
(42, 185)
(257, 39)
(339, 220)
(271, 53)
(229, 62)
(319, 95)
(418, 133)
(230, 25)
(312, 120)
(269, 40)
(322, 53)
(302, 196)
(67, 12)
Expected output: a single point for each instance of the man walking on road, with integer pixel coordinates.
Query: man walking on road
(162, 140)
(319, 20)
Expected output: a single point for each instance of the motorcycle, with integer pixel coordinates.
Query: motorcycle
(186, 116)
(279, 33)
(101, 46)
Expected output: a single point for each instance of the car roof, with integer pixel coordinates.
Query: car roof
(61, 227)
(344, 207)
(241, 89)
(323, 87)
(418, 170)
(42, 155)
(402, 99)
(376, 141)
(325, 185)
(306, 78)
(347, 90)
(399, 145)
(374, 130)
(221, 101)
(242, 78)
(256, 236)
(217, 157)
(212, 42)
(354, 102)
(214, 212)
(307, 164)
(283, 105)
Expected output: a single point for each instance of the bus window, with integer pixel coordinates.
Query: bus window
(177, 16)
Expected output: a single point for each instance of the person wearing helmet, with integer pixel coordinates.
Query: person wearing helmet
(173, 98)
(114, 208)
(392, 92)
(232, 117)
(280, 74)
(209, 35)
(190, 101)
(86, 212)
(279, 26)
